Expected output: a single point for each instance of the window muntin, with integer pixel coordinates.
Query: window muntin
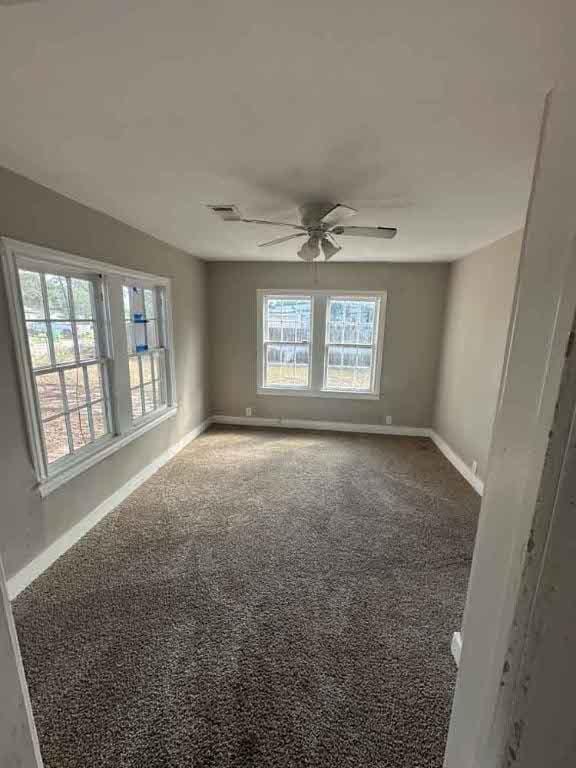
(146, 353)
(286, 341)
(350, 348)
(70, 375)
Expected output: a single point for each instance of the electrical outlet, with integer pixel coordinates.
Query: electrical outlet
(474, 466)
(388, 419)
(249, 411)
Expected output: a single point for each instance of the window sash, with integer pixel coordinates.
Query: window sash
(288, 344)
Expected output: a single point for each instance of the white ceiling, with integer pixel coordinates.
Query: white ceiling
(423, 113)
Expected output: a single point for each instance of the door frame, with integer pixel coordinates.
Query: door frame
(544, 304)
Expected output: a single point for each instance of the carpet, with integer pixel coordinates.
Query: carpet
(268, 598)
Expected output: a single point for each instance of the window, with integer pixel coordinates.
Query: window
(70, 375)
(95, 356)
(350, 353)
(287, 324)
(320, 344)
(146, 353)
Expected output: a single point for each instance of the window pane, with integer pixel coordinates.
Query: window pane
(75, 389)
(149, 303)
(136, 403)
(146, 368)
(129, 338)
(49, 394)
(82, 296)
(287, 365)
(126, 300)
(160, 378)
(288, 319)
(349, 368)
(80, 427)
(86, 341)
(63, 342)
(95, 381)
(58, 302)
(32, 299)
(55, 439)
(134, 371)
(99, 419)
(38, 344)
(152, 333)
(335, 332)
(148, 397)
(351, 321)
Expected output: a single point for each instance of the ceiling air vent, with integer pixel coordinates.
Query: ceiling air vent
(226, 212)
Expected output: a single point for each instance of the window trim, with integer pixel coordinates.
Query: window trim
(318, 345)
(17, 254)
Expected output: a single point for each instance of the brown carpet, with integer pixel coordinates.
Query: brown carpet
(268, 598)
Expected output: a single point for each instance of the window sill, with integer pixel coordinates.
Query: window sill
(321, 393)
(107, 448)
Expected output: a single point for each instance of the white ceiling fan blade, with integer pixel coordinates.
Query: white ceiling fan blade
(385, 233)
(279, 240)
(337, 213)
(273, 223)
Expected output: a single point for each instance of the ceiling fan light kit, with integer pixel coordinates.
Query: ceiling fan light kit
(319, 223)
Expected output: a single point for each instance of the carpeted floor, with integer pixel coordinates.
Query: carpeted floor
(268, 598)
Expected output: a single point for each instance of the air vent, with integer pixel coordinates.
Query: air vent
(226, 212)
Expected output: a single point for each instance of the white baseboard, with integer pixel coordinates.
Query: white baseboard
(458, 462)
(456, 647)
(44, 560)
(332, 426)
(345, 426)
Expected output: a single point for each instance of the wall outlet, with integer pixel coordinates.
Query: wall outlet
(249, 411)
(474, 466)
(388, 419)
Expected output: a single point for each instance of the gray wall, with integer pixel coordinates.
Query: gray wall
(477, 318)
(35, 214)
(414, 323)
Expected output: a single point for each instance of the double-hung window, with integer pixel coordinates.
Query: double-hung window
(95, 355)
(146, 349)
(320, 343)
(286, 343)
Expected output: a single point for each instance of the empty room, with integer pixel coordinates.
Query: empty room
(286, 300)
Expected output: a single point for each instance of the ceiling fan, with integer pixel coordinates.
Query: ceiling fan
(320, 223)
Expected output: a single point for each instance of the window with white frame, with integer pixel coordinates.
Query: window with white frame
(146, 351)
(70, 373)
(95, 355)
(319, 343)
(286, 343)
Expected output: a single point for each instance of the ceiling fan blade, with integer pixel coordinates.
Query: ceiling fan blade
(337, 213)
(385, 233)
(279, 240)
(273, 223)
